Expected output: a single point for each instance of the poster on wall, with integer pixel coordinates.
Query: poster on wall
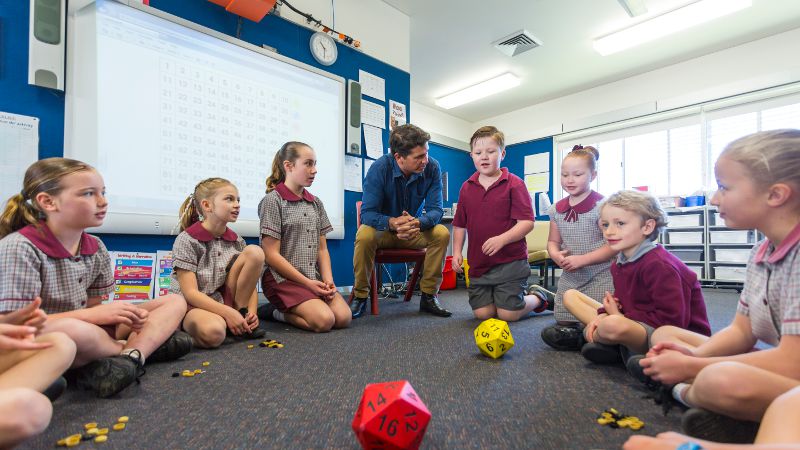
(134, 275)
(397, 114)
(164, 265)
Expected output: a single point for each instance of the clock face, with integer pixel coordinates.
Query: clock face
(323, 48)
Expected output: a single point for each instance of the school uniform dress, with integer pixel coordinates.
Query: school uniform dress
(210, 258)
(298, 222)
(771, 294)
(33, 263)
(499, 279)
(581, 234)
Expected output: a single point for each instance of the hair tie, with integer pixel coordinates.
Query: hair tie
(577, 147)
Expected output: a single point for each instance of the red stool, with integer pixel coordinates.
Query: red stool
(388, 256)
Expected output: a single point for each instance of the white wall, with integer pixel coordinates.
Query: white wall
(444, 128)
(385, 36)
(756, 65)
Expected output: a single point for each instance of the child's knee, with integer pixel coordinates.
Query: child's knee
(343, 320)
(64, 345)
(321, 321)
(209, 335)
(613, 328)
(32, 411)
(663, 334)
(721, 384)
(484, 313)
(253, 256)
(173, 304)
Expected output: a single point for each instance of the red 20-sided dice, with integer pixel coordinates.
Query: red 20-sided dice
(390, 416)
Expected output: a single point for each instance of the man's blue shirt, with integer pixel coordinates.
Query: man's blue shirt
(387, 193)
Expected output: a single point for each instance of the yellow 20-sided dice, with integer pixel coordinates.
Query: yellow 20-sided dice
(493, 338)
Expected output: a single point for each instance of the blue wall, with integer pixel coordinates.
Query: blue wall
(457, 164)
(289, 39)
(515, 160)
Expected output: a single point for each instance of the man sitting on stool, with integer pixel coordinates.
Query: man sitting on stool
(396, 188)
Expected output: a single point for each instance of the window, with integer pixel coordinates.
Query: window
(675, 156)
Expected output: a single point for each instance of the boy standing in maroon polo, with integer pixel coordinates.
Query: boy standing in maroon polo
(495, 211)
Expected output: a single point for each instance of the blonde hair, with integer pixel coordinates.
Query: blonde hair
(641, 203)
(190, 208)
(289, 151)
(770, 156)
(44, 175)
(588, 153)
(490, 132)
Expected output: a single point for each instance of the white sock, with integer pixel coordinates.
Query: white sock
(128, 351)
(678, 392)
(277, 315)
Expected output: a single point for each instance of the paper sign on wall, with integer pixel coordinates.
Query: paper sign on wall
(164, 265)
(134, 275)
(397, 114)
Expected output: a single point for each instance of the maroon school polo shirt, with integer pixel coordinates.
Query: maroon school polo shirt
(490, 212)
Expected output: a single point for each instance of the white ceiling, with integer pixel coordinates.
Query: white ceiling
(451, 45)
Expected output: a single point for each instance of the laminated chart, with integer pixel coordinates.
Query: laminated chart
(134, 275)
(164, 264)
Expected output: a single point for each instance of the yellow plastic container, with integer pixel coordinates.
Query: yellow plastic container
(466, 271)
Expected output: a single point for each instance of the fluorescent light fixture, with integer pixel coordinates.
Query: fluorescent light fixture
(484, 89)
(667, 23)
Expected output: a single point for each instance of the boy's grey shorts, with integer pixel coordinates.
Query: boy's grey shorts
(503, 285)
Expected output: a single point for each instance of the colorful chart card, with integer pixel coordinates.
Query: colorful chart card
(164, 265)
(134, 275)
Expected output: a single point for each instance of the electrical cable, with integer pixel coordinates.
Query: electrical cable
(317, 23)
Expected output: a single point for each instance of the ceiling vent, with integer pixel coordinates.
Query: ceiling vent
(516, 43)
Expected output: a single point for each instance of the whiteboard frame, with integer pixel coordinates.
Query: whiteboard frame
(77, 105)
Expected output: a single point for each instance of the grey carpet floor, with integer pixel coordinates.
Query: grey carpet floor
(305, 394)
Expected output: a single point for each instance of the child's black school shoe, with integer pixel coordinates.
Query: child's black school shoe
(601, 353)
(563, 337)
(56, 389)
(110, 375)
(177, 345)
(637, 371)
(265, 312)
(548, 298)
(703, 424)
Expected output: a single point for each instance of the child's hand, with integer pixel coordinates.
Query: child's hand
(559, 256)
(331, 289)
(611, 304)
(492, 245)
(591, 327)
(235, 321)
(252, 320)
(669, 367)
(319, 288)
(663, 346)
(572, 263)
(115, 313)
(457, 263)
(663, 441)
(30, 315)
(19, 337)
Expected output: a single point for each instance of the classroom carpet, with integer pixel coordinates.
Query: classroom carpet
(305, 394)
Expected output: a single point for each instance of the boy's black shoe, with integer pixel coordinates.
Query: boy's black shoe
(110, 375)
(601, 353)
(430, 304)
(703, 424)
(177, 345)
(637, 371)
(56, 389)
(547, 297)
(265, 312)
(258, 333)
(563, 337)
(358, 306)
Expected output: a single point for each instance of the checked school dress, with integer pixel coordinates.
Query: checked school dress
(580, 234)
